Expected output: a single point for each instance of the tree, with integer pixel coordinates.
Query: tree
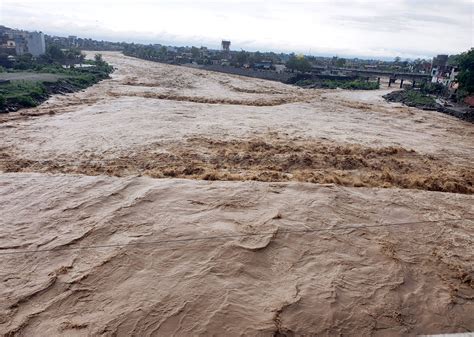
(73, 56)
(5, 61)
(55, 53)
(298, 63)
(27, 57)
(255, 57)
(242, 57)
(466, 72)
(397, 59)
(453, 60)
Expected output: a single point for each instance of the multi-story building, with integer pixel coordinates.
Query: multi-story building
(35, 43)
(23, 42)
(7, 45)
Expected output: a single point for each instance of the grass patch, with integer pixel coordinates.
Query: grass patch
(350, 85)
(26, 94)
(418, 98)
(343, 84)
(22, 93)
(414, 98)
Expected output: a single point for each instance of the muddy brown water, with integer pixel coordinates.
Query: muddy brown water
(78, 186)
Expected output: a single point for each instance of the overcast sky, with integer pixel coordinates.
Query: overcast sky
(406, 28)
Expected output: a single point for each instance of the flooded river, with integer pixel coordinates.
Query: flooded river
(178, 202)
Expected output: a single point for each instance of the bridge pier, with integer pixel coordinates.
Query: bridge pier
(401, 83)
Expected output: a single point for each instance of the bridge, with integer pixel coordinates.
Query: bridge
(393, 76)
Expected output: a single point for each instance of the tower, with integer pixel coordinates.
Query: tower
(226, 48)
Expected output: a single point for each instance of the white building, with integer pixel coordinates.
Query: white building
(35, 43)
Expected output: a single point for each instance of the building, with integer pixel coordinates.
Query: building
(443, 73)
(440, 62)
(19, 42)
(35, 43)
(439, 69)
(7, 45)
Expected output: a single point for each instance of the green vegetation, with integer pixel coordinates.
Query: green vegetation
(22, 93)
(343, 84)
(466, 73)
(413, 97)
(298, 63)
(350, 85)
(429, 88)
(145, 52)
(304, 83)
(417, 98)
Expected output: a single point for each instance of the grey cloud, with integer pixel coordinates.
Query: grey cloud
(385, 28)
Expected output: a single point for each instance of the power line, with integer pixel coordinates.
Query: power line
(220, 237)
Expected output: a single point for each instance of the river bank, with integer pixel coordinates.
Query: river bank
(425, 102)
(35, 94)
(29, 89)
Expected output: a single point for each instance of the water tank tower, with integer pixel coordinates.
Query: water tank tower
(225, 46)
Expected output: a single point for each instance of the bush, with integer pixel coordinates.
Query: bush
(20, 94)
(418, 98)
(26, 101)
(413, 98)
(433, 88)
(351, 85)
(302, 83)
(343, 84)
(37, 91)
(298, 63)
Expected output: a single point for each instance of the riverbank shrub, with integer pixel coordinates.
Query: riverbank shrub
(334, 84)
(412, 97)
(20, 94)
(351, 85)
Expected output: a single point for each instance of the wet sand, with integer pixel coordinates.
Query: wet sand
(79, 185)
